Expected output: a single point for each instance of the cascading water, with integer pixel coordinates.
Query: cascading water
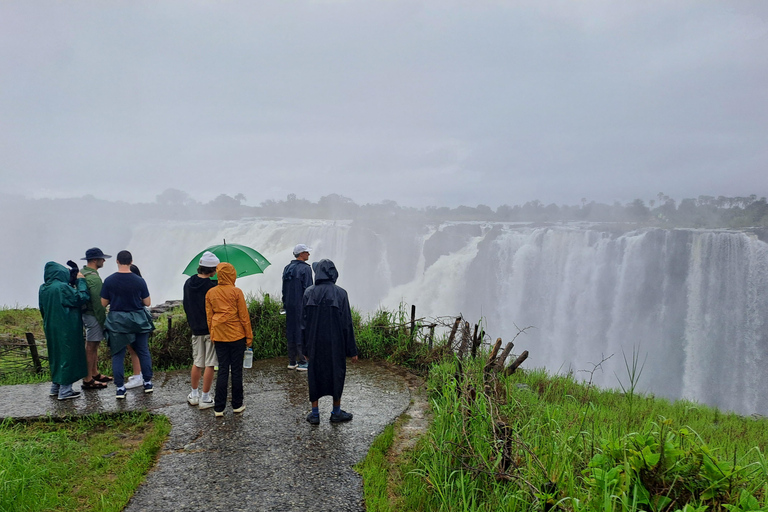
(691, 303)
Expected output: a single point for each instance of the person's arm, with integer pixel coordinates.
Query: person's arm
(145, 299)
(105, 293)
(209, 314)
(76, 297)
(245, 318)
(306, 278)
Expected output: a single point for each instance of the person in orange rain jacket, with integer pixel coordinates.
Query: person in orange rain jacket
(230, 328)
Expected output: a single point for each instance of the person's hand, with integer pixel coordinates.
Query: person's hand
(354, 359)
(80, 275)
(248, 343)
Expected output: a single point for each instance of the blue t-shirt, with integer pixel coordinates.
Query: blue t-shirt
(124, 291)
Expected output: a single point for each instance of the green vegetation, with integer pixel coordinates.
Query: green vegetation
(532, 441)
(382, 335)
(528, 441)
(375, 470)
(16, 322)
(268, 326)
(93, 463)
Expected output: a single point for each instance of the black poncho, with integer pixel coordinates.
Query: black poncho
(327, 333)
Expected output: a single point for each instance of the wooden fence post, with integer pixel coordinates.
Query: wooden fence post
(453, 331)
(33, 351)
(431, 334)
(169, 334)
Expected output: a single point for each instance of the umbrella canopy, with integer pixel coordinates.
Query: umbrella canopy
(246, 261)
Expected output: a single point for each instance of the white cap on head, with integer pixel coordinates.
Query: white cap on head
(208, 259)
(300, 248)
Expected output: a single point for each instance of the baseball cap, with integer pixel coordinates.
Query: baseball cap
(300, 248)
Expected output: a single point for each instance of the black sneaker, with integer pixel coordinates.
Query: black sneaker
(70, 395)
(341, 417)
(313, 419)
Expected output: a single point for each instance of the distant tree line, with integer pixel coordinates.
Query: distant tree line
(662, 211)
(704, 211)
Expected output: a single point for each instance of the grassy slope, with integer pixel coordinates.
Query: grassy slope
(536, 441)
(541, 442)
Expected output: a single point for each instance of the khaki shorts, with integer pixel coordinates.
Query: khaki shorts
(203, 352)
(93, 330)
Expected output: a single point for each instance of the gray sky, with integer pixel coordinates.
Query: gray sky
(433, 102)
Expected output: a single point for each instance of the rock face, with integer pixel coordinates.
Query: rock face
(164, 307)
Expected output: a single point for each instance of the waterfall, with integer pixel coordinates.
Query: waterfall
(691, 303)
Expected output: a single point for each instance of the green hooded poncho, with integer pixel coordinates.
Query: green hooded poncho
(60, 306)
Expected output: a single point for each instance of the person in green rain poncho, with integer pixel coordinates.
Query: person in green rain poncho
(60, 307)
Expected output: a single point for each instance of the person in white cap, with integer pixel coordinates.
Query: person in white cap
(297, 277)
(203, 352)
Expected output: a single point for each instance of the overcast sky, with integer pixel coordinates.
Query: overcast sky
(433, 102)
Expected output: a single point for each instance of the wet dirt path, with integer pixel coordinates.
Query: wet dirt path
(267, 458)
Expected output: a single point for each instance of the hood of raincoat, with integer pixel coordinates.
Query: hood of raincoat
(325, 271)
(226, 273)
(55, 272)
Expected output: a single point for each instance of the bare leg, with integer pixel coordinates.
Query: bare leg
(134, 361)
(207, 378)
(194, 376)
(92, 358)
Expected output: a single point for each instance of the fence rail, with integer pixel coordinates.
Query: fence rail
(22, 354)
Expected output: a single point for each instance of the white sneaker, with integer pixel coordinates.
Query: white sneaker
(205, 405)
(193, 399)
(134, 381)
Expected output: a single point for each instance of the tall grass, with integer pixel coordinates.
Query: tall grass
(540, 442)
(268, 326)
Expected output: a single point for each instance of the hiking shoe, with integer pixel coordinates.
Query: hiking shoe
(313, 419)
(193, 399)
(239, 409)
(292, 365)
(341, 417)
(134, 381)
(71, 394)
(205, 405)
(120, 393)
(218, 414)
(54, 390)
(302, 366)
(148, 388)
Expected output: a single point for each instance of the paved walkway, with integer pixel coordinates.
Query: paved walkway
(267, 458)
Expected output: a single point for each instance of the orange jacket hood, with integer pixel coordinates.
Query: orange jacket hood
(226, 273)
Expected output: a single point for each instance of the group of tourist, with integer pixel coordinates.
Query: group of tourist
(318, 329)
(70, 302)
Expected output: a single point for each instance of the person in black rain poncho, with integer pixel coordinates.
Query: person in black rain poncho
(328, 339)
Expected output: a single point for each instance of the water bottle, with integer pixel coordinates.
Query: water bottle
(248, 359)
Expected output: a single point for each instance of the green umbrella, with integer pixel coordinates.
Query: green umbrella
(246, 261)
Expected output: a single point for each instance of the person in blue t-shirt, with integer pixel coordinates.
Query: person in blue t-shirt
(128, 322)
